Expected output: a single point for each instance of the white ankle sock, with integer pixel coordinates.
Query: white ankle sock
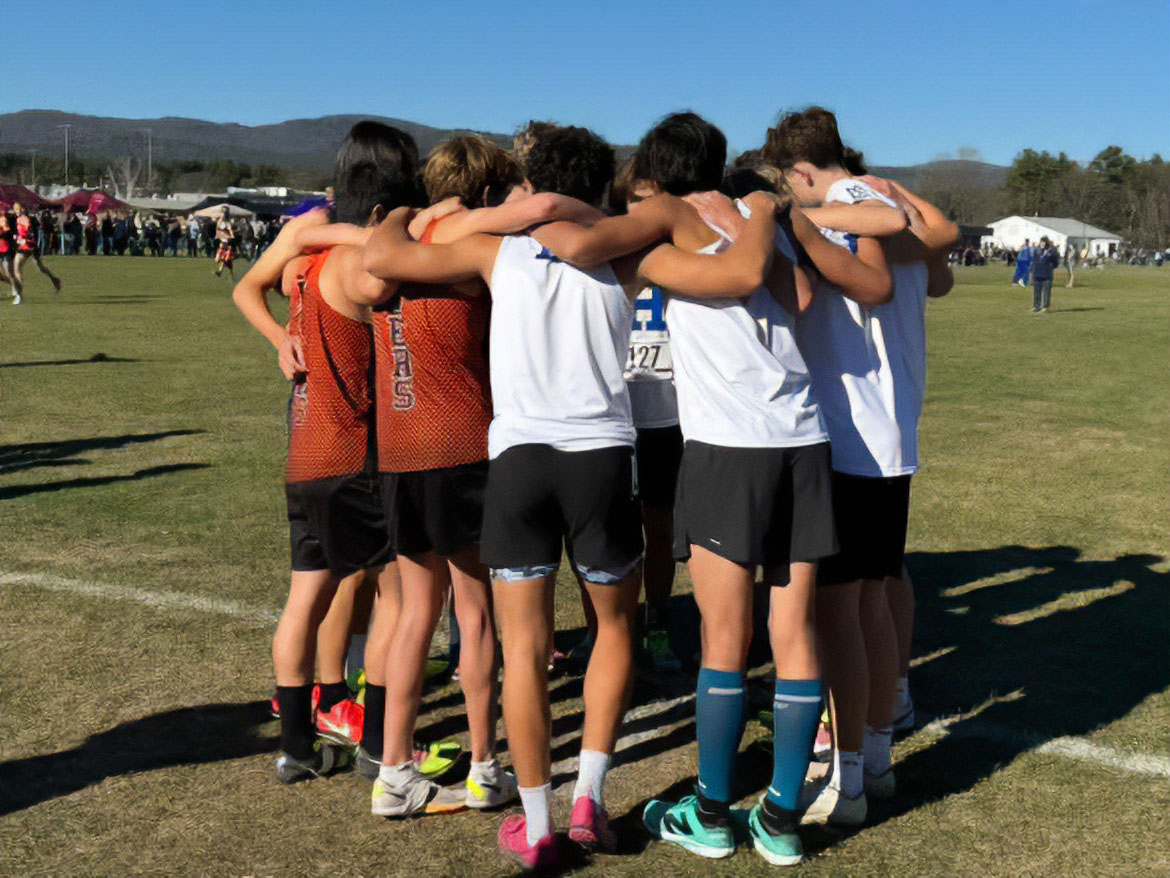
(396, 775)
(876, 749)
(535, 802)
(479, 769)
(591, 769)
(849, 779)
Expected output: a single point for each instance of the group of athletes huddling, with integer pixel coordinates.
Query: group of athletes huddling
(513, 374)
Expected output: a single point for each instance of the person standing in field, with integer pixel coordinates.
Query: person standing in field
(1023, 265)
(1043, 265)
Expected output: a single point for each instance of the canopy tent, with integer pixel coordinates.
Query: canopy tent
(163, 205)
(85, 201)
(261, 204)
(11, 193)
(216, 210)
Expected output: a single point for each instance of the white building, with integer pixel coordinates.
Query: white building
(1011, 232)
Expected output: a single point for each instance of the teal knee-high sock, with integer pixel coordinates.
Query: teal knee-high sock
(796, 710)
(719, 706)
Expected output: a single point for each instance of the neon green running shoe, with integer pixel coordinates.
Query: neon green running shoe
(783, 849)
(679, 824)
(437, 759)
(436, 667)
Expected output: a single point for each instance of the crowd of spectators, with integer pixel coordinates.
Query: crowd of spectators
(139, 233)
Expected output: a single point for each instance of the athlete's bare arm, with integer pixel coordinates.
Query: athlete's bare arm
(939, 277)
(509, 218)
(869, 218)
(392, 254)
(251, 293)
(349, 288)
(865, 278)
(929, 231)
(648, 221)
(734, 272)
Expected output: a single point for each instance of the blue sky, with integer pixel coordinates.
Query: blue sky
(908, 81)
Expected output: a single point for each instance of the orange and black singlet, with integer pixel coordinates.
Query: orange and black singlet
(330, 412)
(431, 378)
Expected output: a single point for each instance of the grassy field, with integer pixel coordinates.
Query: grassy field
(144, 555)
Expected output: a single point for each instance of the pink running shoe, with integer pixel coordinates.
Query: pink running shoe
(589, 827)
(342, 724)
(513, 841)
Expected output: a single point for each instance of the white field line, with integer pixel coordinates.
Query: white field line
(1073, 748)
(158, 600)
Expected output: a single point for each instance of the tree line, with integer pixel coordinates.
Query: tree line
(1115, 191)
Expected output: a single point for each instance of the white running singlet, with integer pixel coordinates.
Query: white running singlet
(868, 364)
(741, 381)
(557, 344)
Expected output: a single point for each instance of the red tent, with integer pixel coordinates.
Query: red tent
(29, 200)
(85, 201)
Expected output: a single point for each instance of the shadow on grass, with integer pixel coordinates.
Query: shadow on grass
(10, 493)
(1073, 310)
(29, 455)
(96, 358)
(1042, 644)
(187, 736)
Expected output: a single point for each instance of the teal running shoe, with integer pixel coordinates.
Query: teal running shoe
(783, 849)
(679, 824)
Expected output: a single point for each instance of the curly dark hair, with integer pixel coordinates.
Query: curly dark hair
(570, 161)
(807, 136)
(682, 153)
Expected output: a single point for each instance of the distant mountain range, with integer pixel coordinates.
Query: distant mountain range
(299, 144)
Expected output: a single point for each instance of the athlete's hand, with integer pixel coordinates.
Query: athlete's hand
(291, 357)
(879, 184)
(763, 201)
(440, 209)
(716, 209)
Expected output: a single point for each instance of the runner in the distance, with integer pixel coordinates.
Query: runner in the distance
(28, 247)
(225, 242)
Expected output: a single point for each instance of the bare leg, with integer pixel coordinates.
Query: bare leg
(792, 625)
(383, 618)
(56, 281)
(846, 672)
(881, 651)
(477, 649)
(611, 666)
(333, 634)
(524, 613)
(295, 642)
(423, 594)
(658, 572)
(723, 591)
(900, 594)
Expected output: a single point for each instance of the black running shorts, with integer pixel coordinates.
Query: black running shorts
(871, 515)
(659, 453)
(435, 510)
(765, 506)
(540, 499)
(337, 524)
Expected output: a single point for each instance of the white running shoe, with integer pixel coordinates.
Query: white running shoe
(490, 787)
(411, 793)
(830, 805)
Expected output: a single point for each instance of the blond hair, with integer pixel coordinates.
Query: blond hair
(471, 168)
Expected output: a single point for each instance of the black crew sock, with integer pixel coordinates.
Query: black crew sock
(658, 615)
(331, 693)
(712, 813)
(775, 819)
(296, 721)
(374, 720)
